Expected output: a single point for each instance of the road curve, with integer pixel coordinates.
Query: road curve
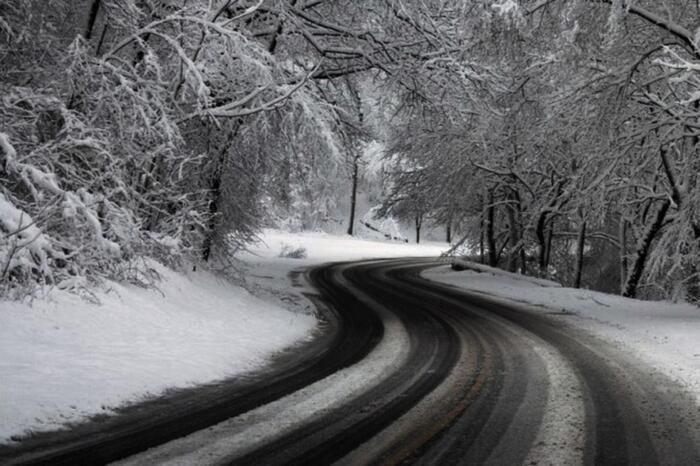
(412, 371)
(502, 406)
(342, 340)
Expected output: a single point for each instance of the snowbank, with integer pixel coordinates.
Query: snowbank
(665, 335)
(63, 359)
(268, 274)
(463, 264)
(323, 247)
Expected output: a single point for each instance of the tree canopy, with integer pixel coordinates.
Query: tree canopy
(554, 137)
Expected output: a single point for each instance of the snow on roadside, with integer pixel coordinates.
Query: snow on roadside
(461, 264)
(63, 359)
(665, 335)
(324, 247)
(268, 274)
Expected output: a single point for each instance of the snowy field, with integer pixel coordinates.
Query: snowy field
(63, 359)
(665, 335)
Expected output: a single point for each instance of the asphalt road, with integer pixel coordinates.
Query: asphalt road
(495, 409)
(477, 381)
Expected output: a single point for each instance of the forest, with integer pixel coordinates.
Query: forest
(554, 138)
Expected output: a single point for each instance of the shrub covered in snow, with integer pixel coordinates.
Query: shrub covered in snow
(148, 134)
(292, 252)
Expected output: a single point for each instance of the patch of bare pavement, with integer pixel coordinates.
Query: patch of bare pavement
(409, 371)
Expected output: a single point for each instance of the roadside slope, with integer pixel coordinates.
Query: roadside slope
(63, 359)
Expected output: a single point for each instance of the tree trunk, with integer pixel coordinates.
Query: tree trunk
(419, 222)
(513, 240)
(541, 243)
(353, 197)
(623, 253)
(356, 154)
(481, 241)
(519, 227)
(550, 235)
(94, 10)
(448, 231)
(213, 214)
(215, 190)
(98, 49)
(490, 235)
(643, 249)
(579, 254)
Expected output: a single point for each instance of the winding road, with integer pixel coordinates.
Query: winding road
(405, 370)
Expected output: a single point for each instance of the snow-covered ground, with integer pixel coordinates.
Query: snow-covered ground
(664, 334)
(63, 359)
(268, 273)
(324, 247)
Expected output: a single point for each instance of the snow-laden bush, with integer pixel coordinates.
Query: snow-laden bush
(53, 226)
(86, 172)
(292, 252)
(155, 132)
